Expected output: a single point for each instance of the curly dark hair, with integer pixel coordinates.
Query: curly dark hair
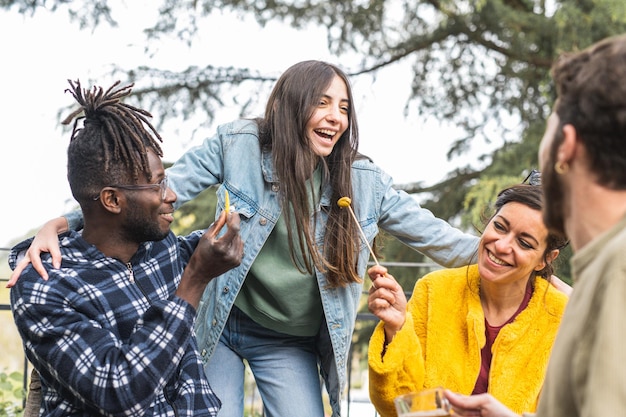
(592, 97)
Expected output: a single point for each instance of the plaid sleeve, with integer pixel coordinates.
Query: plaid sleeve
(68, 335)
(187, 245)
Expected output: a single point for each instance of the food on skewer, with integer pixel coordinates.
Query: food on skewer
(345, 202)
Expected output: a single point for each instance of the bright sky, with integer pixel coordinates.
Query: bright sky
(40, 53)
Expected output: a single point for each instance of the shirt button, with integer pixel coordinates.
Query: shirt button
(203, 353)
(225, 290)
(214, 322)
(275, 187)
(263, 221)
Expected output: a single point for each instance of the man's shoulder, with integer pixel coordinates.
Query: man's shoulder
(18, 251)
(604, 252)
(191, 239)
(620, 236)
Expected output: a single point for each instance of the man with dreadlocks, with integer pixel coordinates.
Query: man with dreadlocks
(111, 330)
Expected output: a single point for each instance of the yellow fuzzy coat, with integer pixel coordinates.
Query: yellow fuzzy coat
(440, 343)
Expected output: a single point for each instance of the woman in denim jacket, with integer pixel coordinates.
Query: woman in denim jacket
(289, 309)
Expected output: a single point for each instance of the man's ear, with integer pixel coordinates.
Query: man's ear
(567, 149)
(111, 199)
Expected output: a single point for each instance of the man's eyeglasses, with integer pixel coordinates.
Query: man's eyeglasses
(534, 178)
(163, 185)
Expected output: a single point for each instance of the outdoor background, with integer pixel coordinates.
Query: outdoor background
(452, 95)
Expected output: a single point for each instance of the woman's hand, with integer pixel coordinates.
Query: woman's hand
(46, 240)
(386, 300)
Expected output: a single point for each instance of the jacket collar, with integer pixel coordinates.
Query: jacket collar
(267, 166)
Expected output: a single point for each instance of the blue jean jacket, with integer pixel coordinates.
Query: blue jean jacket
(234, 160)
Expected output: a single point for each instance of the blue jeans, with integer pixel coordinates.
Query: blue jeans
(284, 367)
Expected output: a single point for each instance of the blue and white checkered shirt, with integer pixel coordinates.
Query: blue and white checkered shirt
(110, 338)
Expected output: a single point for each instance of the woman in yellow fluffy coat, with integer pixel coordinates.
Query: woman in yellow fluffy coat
(482, 328)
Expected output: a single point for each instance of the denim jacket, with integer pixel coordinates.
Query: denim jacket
(234, 160)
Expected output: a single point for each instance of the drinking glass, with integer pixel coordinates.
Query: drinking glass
(426, 403)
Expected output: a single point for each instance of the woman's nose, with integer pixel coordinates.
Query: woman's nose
(503, 245)
(333, 114)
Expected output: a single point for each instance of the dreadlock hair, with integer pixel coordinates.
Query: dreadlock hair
(112, 145)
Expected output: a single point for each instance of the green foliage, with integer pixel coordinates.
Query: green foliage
(11, 394)
(562, 267)
(580, 23)
(478, 204)
(196, 214)
(447, 197)
(480, 65)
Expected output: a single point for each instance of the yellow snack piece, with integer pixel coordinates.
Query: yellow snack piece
(344, 202)
(226, 202)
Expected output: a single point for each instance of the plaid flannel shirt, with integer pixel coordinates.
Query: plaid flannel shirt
(110, 338)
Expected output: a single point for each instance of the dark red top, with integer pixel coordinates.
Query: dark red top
(491, 332)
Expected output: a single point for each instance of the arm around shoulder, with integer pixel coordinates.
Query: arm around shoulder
(46, 240)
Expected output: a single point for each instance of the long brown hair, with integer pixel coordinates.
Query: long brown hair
(283, 131)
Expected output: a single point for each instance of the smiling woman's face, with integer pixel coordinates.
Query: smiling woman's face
(330, 118)
(513, 244)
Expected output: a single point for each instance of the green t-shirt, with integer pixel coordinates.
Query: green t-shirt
(275, 293)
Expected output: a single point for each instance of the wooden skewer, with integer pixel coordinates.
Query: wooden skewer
(344, 202)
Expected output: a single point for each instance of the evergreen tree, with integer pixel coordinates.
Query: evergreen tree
(482, 65)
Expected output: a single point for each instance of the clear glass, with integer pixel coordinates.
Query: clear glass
(162, 185)
(426, 403)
